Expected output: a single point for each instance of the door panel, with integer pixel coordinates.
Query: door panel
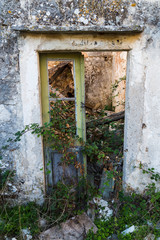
(53, 158)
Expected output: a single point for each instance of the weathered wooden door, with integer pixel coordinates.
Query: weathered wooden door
(76, 60)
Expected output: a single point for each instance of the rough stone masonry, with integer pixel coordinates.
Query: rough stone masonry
(28, 27)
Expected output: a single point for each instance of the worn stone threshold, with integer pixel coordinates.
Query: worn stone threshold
(80, 29)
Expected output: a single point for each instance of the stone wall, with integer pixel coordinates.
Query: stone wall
(124, 22)
(98, 79)
(105, 80)
(119, 80)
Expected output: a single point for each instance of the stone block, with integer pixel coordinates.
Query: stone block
(104, 211)
(75, 228)
(106, 185)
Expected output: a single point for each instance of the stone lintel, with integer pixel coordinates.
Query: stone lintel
(81, 29)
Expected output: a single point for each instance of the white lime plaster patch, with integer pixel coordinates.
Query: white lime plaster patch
(76, 11)
(101, 21)
(23, 2)
(83, 20)
(5, 115)
(48, 13)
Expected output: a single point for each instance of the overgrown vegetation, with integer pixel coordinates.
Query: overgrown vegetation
(104, 147)
(62, 204)
(140, 211)
(14, 219)
(65, 200)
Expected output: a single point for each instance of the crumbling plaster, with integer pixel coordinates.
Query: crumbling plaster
(90, 21)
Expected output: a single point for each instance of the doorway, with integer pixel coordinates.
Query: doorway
(87, 90)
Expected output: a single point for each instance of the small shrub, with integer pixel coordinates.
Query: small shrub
(13, 219)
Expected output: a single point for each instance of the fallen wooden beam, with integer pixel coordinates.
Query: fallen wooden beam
(111, 118)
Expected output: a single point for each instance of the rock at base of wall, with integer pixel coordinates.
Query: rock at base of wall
(150, 237)
(75, 228)
(103, 208)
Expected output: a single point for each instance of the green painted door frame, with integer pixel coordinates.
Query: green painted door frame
(79, 87)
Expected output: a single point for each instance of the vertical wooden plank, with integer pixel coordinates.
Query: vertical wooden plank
(45, 118)
(48, 169)
(83, 96)
(78, 91)
(44, 87)
(82, 72)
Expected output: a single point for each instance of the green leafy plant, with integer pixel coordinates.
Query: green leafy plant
(13, 219)
(142, 211)
(65, 200)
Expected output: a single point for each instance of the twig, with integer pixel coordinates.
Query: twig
(58, 219)
(20, 225)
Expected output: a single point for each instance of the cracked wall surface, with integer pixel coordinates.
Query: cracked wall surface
(29, 27)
